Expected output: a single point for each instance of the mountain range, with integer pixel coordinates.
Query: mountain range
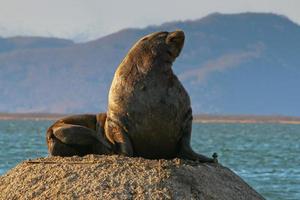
(247, 63)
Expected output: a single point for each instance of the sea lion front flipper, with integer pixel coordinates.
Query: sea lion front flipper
(117, 135)
(74, 134)
(185, 149)
(101, 118)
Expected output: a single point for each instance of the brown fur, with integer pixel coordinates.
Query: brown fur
(149, 111)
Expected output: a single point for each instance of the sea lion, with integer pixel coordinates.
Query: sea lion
(78, 135)
(149, 111)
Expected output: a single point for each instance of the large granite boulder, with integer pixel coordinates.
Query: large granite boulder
(118, 177)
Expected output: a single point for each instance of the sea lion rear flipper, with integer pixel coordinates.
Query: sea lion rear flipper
(185, 149)
(57, 148)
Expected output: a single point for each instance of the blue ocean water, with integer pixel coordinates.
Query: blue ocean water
(265, 155)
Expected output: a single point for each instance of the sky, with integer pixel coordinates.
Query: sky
(83, 20)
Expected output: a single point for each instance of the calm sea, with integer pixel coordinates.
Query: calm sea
(265, 155)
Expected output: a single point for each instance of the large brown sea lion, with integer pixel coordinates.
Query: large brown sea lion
(78, 135)
(149, 111)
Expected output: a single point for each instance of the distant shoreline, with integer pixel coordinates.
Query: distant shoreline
(246, 119)
(31, 116)
(202, 118)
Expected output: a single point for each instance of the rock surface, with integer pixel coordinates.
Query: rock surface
(118, 177)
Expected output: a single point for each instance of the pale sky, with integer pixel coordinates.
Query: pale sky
(91, 19)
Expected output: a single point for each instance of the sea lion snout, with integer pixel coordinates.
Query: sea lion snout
(175, 40)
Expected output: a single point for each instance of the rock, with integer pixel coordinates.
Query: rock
(118, 177)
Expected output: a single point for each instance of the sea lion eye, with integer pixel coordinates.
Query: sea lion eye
(170, 39)
(163, 34)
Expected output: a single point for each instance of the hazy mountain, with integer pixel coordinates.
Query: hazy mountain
(231, 64)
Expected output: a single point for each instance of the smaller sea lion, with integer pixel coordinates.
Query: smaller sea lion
(78, 135)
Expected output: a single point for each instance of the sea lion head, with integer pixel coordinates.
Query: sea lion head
(156, 50)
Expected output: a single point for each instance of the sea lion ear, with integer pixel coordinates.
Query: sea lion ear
(169, 39)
